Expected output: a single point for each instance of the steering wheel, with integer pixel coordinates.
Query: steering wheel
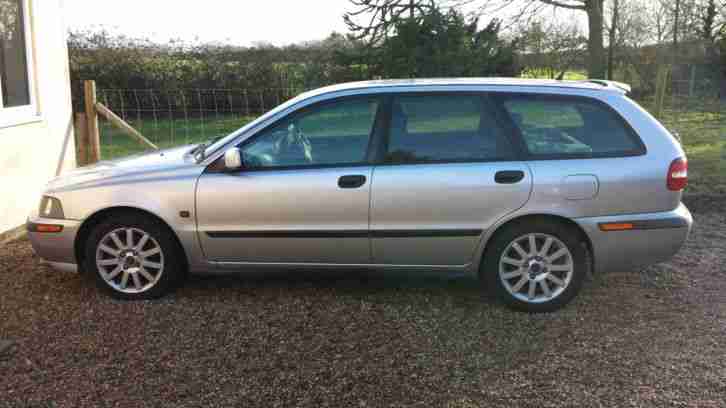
(258, 160)
(294, 147)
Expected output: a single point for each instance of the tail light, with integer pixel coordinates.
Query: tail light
(678, 174)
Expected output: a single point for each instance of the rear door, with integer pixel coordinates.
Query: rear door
(586, 158)
(448, 173)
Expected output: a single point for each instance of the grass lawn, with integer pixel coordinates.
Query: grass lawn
(166, 133)
(703, 134)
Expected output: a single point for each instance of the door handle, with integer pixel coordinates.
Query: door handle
(352, 181)
(508, 176)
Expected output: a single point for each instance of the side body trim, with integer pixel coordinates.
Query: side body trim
(347, 233)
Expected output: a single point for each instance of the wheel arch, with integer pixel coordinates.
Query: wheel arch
(527, 218)
(99, 216)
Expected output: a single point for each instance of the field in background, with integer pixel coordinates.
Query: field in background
(700, 123)
(541, 73)
(701, 127)
(166, 133)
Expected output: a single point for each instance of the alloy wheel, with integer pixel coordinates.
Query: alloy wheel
(536, 268)
(129, 260)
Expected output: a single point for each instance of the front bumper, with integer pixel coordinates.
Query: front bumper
(656, 237)
(55, 248)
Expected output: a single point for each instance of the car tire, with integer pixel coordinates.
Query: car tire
(540, 279)
(146, 264)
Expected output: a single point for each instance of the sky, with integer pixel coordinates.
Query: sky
(237, 22)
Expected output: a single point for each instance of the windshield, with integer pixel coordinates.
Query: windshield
(216, 145)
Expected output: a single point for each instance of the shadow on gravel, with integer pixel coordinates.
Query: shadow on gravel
(356, 283)
(705, 203)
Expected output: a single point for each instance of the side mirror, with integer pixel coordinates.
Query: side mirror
(233, 159)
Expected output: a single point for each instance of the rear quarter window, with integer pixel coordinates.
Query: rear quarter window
(570, 127)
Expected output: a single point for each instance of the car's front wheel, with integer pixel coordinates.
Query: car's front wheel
(133, 257)
(536, 267)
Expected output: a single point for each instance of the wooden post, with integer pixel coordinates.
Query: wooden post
(125, 127)
(94, 145)
(81, 139)
(661, 86)
(692, 82)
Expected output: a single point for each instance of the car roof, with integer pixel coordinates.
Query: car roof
(591, 85)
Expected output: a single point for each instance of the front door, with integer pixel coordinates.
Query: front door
(448, 174)
(303, 195)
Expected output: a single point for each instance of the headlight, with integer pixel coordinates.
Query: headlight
(50, 207)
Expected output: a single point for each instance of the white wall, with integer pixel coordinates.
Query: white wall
(32, 153)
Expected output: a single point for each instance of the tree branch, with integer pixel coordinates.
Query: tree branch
(557, 3)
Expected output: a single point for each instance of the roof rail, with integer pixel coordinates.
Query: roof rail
(619, 85)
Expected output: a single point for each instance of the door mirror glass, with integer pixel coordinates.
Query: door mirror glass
(233, 159)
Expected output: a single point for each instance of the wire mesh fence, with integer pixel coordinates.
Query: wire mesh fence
(688, 113)
(172, 117)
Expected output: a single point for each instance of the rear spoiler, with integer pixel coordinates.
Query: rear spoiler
(625, 88)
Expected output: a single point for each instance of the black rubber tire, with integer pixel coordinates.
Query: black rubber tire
(489, 270)
(174, 266)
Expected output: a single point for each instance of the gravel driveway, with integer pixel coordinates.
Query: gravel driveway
(657, 338)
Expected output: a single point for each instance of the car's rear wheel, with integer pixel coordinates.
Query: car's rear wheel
(537, 266)
(133, 257)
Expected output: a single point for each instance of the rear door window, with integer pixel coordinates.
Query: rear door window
(570, 127)
(444, 128)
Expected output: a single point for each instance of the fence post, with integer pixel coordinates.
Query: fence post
(93, 137)
(81, 128)
(125, 127)
(661, 85)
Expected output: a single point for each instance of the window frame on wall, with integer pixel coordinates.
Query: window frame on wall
(18, 115)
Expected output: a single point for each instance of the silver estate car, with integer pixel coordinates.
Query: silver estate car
(528, 185)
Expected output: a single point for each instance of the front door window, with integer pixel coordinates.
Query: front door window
(333, 134)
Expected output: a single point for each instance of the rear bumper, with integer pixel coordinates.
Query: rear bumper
(655, 237)
(55, 248)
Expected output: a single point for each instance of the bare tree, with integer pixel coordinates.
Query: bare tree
(688, 19)
(643, 27)
(676, 13)
(682, 20)
(550, 48)
(612, 36)
(594, 9)
(379, 16)
(660, 19)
